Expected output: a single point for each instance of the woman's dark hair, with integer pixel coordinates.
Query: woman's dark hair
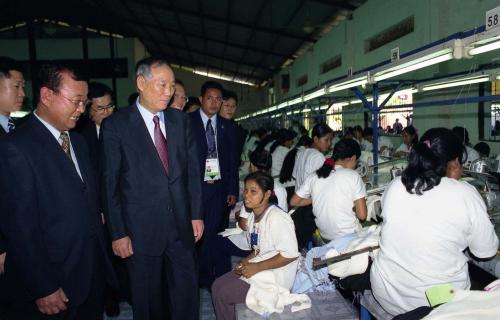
(289, 161)
(368, 132)
(343, 149)
(412, 132)
(282, 136)
(265, 183)
(462, 134)
(261, 159)
(428, 159)
(483, 148)
(320, 130)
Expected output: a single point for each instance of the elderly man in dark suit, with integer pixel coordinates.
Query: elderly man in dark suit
(152, 196)
(218, 161)
(49, 210)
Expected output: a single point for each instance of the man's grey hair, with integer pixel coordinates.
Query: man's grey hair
(143, 67)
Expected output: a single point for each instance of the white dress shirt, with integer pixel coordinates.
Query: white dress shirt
(147, 116)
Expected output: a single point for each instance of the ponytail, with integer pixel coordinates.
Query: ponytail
(286, 172)
(328, 166)
(428, 160)
(343, 149)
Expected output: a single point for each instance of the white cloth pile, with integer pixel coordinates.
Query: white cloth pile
(367, 237)
(265, 296)
(467, 305)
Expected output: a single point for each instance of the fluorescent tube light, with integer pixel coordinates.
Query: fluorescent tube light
(412, 66)
(454, 83)
(315, 94)
(306, 110)
(359, 81)
(295, 101)
(482, 49)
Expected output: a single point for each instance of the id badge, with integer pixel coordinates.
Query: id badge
(212, 171)
(254, 239)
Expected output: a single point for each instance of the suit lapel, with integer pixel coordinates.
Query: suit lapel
(80, 156)
(172, 129)
(52, 147)
(221, 128)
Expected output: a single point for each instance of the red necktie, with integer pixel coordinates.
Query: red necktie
(161, 144)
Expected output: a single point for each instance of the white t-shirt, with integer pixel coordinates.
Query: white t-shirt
(383, 141)
(278, 157)
(422, 240)
(249, 145)
(280, 192)
(307, 162)
(333, 199)
(472, 155)
(403, 148)
(276, 234)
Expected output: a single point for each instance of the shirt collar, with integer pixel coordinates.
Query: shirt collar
(4, 122)
(146, 114)
(55, 132)
(205, 117)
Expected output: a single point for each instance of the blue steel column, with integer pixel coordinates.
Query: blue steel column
(375, 111)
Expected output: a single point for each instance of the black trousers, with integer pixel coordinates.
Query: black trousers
(164, 286)
(91, 309)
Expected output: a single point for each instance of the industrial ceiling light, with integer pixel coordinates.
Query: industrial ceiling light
(351, 83)
(415, 64)
(456, 83)
(482, 49)
(315, 94)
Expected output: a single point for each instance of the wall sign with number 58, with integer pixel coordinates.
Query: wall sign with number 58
(492, 18)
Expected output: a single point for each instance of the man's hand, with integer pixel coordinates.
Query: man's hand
(198, 228)
(53, 303)
(248, 270)
(231, 200)
(2, 262)
(123, 247)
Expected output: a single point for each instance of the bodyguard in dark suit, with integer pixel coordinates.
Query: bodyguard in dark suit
(218, 160)
(50, 216)
(11, 100)
(152, 195)
(100, 107)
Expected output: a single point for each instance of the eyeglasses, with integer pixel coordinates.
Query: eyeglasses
(109, 107)
(76, 103)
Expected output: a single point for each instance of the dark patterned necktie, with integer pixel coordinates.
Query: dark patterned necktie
(11, 125)
(209, 131)
(65, 144)
(161, 145)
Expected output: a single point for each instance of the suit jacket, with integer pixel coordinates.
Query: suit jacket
(87, 128)
(50, 215)
(3, 242)
(140, 200)
(227, 151)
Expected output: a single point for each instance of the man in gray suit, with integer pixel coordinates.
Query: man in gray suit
(152, 196)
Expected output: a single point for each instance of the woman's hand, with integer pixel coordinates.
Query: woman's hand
(249, 270)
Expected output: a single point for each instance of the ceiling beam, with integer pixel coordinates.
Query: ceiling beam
(252, 33)
(290, 19)
(340, 4)
(185, 62)
(197, 36)
(202, 52)
(211, 17)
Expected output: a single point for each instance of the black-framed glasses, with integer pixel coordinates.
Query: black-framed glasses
(76, 103)
(109, 107)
